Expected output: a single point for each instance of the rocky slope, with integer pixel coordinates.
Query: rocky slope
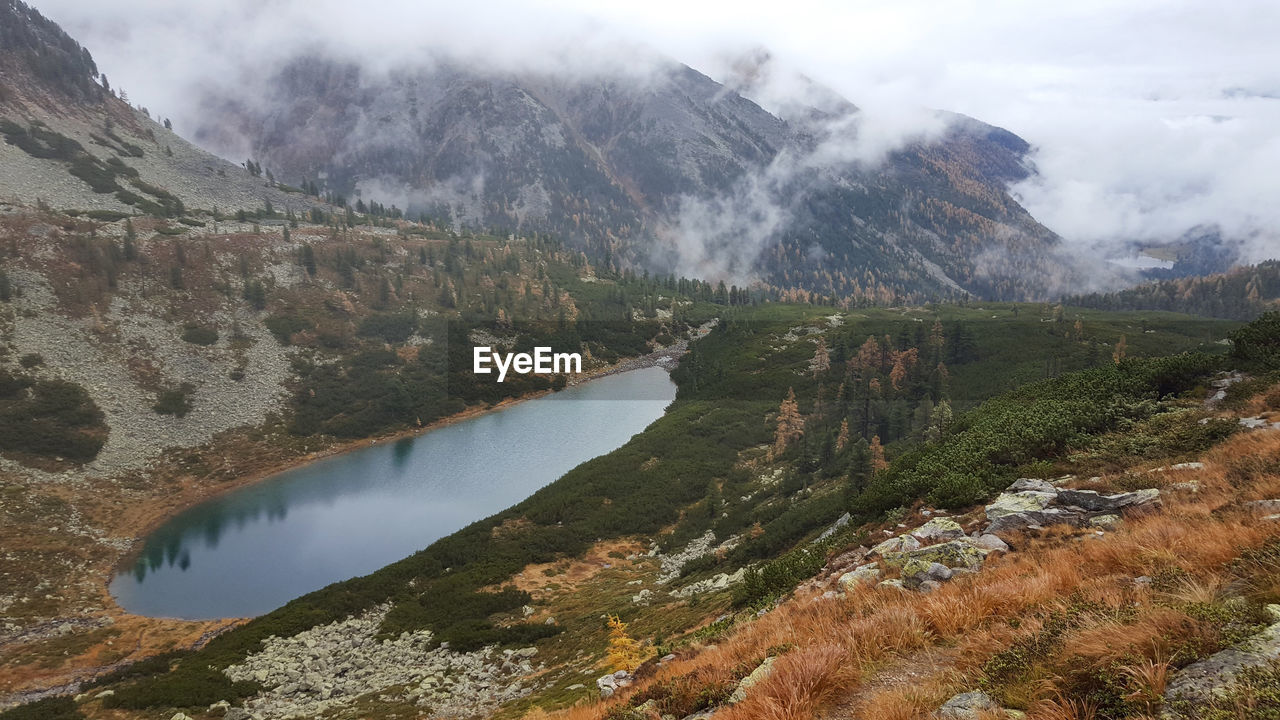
(51, 86)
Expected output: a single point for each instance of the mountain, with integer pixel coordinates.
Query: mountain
(668, 170)
(71, 143)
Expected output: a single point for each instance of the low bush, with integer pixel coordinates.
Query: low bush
(199, 335)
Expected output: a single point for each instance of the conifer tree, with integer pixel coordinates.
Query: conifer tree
(624, 651)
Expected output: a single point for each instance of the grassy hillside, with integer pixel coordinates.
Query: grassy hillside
(718, 462)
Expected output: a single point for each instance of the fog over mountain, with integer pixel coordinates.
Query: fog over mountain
(1149, 122)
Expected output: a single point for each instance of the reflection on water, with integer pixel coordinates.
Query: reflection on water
(256, 548)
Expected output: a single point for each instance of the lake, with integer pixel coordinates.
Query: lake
(254, 549)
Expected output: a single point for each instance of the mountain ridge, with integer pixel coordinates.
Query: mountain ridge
(672, 172)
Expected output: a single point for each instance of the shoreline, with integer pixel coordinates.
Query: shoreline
(193, 495)
(143, 517)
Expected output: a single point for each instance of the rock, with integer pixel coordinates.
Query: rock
(1191, 486)
(960, 553)
(900, 543)
(892, 583)
(861, 575)
(940, 528)
(576, 686)
(1033, 519)
(1031, 484)
(1015, 503)
(991, 542)
(180, 716)
(643, 597)
(835, 527)
(845, 561)
(918, 570)
(1196, 683)
(761, 672)
(1266, 506)
(609, 684)
(929, 586)
(1086, 500)
(968, 706)
(1136, 499)
(105, 694)
(1105, 522)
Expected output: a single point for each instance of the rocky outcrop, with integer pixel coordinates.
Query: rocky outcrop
(762, 671)
(611, 683)
(1033, 504)
(901, 543)
(937, 529)
(329, 666)
(861, 575)
(720, 581)
(1200, 682)
(704, 545)
(937, 563)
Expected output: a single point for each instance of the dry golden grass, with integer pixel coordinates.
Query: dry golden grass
(841, 642)
(1065, 708)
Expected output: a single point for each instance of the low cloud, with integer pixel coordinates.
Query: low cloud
(1149, 118)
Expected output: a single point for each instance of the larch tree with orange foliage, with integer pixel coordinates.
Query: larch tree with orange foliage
(790, 424)
(821, 361)
(843, 438)
(624, 651)
(877, 454)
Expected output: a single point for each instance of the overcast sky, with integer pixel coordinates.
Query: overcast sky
(1149, 117)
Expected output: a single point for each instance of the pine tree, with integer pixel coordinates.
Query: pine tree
(130, 238)
(308, 258)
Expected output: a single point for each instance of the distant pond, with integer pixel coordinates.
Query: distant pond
(254, 549)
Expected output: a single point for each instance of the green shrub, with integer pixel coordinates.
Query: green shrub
(986, 447)
(175, 401)
(1256, 346)
(285, 326)
(392, 327)
(51, 418)
(189, 685)
(54, 708)
(200, 335)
